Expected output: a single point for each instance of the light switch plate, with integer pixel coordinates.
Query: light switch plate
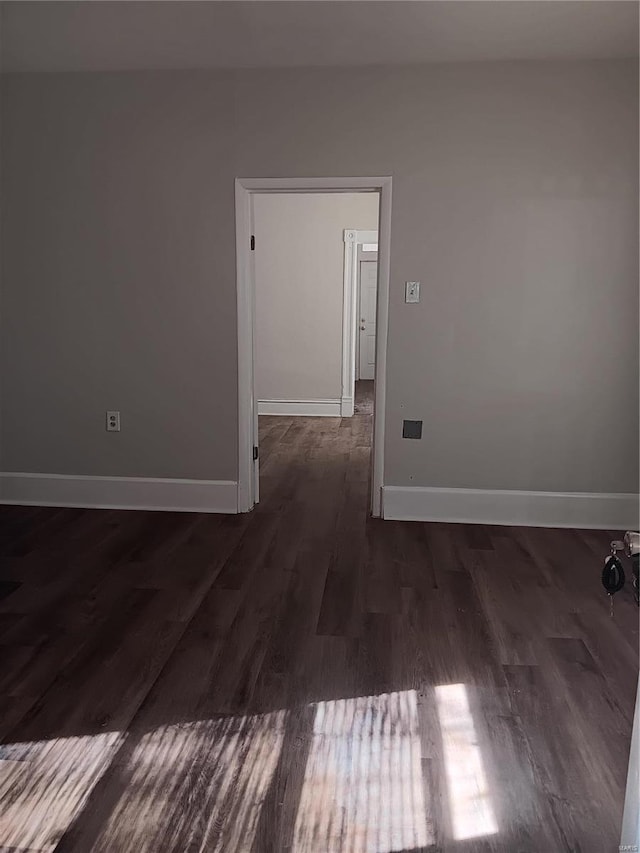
(412, 291)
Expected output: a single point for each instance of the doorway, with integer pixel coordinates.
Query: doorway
(248, 409)
(361, 276)
(367, 292)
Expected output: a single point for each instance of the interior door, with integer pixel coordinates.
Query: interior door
(367, 319)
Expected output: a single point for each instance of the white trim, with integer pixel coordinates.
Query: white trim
(347, 407)
(244, 296)
(310, 185)
(382, 332)
(303, 408)
(247, 408)
(352, 236)
(349, 310)
(528, 509)
(149, 493)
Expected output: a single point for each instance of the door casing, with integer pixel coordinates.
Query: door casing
(248, 469)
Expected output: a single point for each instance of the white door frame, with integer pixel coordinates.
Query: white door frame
(247, 403)
(353, 240)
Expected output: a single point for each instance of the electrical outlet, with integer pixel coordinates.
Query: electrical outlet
(113, 421)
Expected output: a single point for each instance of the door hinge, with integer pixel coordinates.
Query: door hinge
(253, 243)
(255, 453)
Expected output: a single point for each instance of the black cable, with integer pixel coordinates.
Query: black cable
(612, 575)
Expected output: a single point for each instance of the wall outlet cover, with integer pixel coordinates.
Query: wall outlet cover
(113, 422)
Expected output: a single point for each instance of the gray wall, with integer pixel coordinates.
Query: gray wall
(299, 275)
(118, 268)
(515, 202)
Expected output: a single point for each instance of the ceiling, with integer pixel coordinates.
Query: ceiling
(129, 34)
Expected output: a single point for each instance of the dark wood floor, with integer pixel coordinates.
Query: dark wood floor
(304, 678)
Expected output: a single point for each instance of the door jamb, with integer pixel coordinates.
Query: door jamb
(244, 187)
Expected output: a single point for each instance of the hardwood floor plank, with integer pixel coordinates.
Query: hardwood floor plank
(563, 764)
(246, 557)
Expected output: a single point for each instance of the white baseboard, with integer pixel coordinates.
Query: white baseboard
(527, 509)
(347, 407)
(303, 408)
(173, 495)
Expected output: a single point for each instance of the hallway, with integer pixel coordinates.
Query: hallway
(318, 460)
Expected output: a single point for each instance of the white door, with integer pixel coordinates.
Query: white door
(367, 319)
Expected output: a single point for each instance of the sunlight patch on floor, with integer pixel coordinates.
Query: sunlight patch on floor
(45, 784)
(363, 788)
(206, 782)
(470, 804)
(223, 766)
